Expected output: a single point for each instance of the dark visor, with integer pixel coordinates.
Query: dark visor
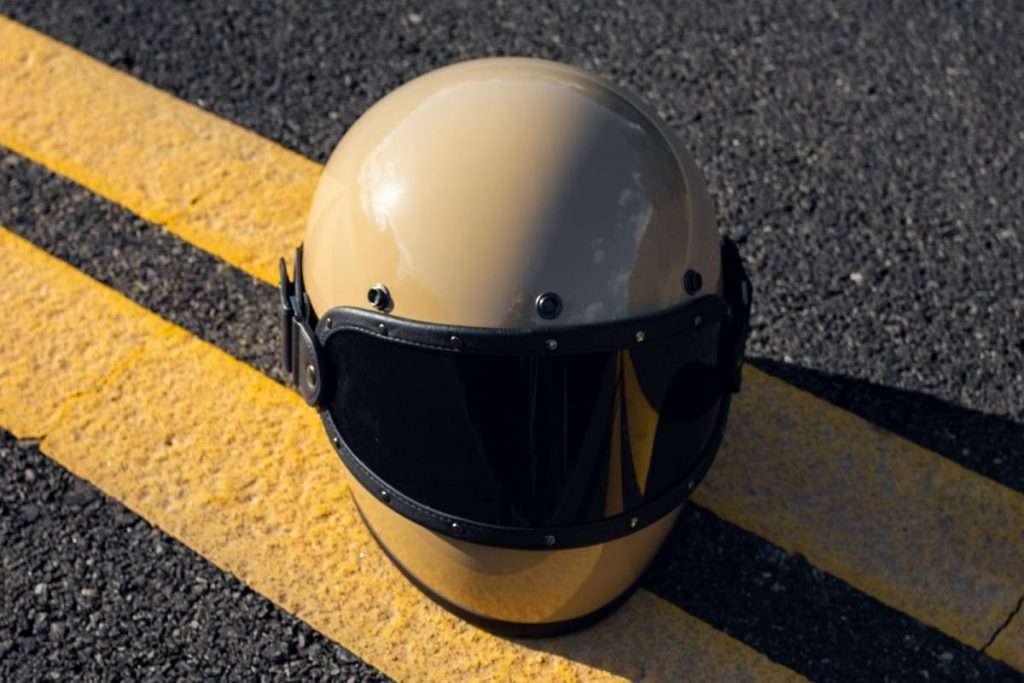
(526, 441)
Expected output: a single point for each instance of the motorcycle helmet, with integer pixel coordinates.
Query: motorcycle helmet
(521, 329)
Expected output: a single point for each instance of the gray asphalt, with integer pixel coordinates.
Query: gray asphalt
(867, 158)
(91, 592)
(765, 597)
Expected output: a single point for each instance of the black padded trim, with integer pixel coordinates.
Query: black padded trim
(507, 629)
(531, 538)
(610, 336)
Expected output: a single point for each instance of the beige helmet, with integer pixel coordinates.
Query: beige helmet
(521, 329)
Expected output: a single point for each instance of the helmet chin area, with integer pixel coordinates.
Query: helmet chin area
(511, 591)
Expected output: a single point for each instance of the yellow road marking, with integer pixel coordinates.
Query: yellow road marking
(1009, 644)
(200, 176)
(915, 530)
(238, 468)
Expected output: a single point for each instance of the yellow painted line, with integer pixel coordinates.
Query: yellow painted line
(911, 528)
(238, 468)
(1009, 644)
(201, 177)
(915, 530)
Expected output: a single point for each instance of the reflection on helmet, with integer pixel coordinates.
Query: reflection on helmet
(551, 373)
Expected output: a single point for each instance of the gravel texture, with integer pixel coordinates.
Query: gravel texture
(154, 268)
(765, 597)
(91, 592)
(800, 616)
(868, 160)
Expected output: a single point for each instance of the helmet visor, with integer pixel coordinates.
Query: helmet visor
(526, 440)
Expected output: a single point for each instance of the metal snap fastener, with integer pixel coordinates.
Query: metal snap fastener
(549, 305)
(379, 297)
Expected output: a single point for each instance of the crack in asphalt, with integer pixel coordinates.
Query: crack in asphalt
(1002, 627)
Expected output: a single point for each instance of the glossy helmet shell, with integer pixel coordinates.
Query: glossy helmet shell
(471, 191)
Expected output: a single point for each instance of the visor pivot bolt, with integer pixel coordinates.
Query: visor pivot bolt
(692, 282)
(311, 375)
(551, 344)
(549, 305)
(385, 496)
(549, 540)
(640, 336)
(697, 321)
(379, 297)
(633, 522)
(455, 341)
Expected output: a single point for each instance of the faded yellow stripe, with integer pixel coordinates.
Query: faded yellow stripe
(238, 468)
(213, 183)
(1009, 644)
(913, 529)
(897, 521)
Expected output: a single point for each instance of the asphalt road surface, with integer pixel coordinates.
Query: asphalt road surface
(867, 159)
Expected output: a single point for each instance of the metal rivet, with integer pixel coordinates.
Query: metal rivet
(640, 336)
(549, 540)
(455, 341)
(551, 344)
(379, 297)
(384, 495)
(456, 528)
(689, 485)
(311, 375)
(692, 281)
(697, 321)
(328, 323)
(336, 441)
(383, 328)
(633, 522)
(549, 305)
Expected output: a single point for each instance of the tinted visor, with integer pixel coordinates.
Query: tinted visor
(527, 440)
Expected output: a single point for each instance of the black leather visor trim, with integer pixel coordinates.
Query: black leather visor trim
(531, 538)
(609, 336)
